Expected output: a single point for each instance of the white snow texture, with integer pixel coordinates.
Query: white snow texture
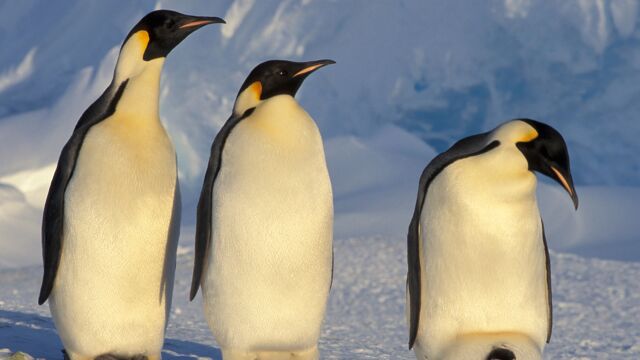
(412, 77)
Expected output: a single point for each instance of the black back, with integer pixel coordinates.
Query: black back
(205, 205)
(470, 146)
(53, 217)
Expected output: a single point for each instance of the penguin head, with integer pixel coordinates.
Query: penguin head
(271, 78)
(154, 36)
(546, 152)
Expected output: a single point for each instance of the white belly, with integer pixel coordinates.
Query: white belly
(483, 257)
(113, 287)
(269, 263)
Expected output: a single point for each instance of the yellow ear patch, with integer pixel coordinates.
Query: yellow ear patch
(142, 37)
(256, 89)
(529, 136)
(248, 98)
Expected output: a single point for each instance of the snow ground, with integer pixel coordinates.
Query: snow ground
(595, 306)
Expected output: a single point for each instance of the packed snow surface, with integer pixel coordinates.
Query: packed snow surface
(596, 312)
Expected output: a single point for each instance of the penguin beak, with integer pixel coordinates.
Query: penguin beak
(567, 183)
(311, 66)
(196, 22)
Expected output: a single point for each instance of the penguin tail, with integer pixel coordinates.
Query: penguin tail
(501, 354)
(493, 346)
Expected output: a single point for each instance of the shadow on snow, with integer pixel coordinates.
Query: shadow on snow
(36, 335)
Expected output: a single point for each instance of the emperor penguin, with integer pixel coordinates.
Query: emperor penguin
(264, 223)
(112, 215)
(479, 285)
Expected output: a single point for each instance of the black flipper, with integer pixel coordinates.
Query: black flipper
(205, 211)
(548, 264)
(53, 217)
(333, 265)
(470, 146)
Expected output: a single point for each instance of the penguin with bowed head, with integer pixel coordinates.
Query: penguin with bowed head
(479, 285)
(265, 222)
(112, 216)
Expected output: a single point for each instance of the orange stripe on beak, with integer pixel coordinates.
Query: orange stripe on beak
(308, 70)
(195, 23)
(563, 181)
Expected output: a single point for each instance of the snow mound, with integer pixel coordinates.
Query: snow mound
(20, 224)
(450, 70)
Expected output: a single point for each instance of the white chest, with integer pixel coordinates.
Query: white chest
(116, 271)
(269, 264)
(273, 175)
(125, 170)
(482, 253)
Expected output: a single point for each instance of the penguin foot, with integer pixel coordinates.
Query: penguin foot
(309, 354)
(114, 357)
(492, 346)
(106, 357)
(69, 355)
(501, 354)
(238, 355)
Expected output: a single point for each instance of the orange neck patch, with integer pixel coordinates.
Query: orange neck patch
(256, 89)
(529, 136)
(142, 37)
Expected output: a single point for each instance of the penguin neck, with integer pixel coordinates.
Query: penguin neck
(140, 98)
(247, 99)
(501, 174)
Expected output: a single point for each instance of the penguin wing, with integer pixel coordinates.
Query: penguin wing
(53, 216)
(470, 146)
(548, 264)
(205, 206)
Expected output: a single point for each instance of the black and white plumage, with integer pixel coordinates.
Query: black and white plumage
(52, 224)
(265, 222)
(477, 256)
(111, 219)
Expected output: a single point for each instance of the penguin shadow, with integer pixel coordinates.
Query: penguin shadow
(181, 350)
(30, 333)
(36, 335)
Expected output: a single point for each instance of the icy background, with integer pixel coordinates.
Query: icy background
(411, 78)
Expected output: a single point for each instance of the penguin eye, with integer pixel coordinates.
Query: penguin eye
(282, 73)
(169, 24)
